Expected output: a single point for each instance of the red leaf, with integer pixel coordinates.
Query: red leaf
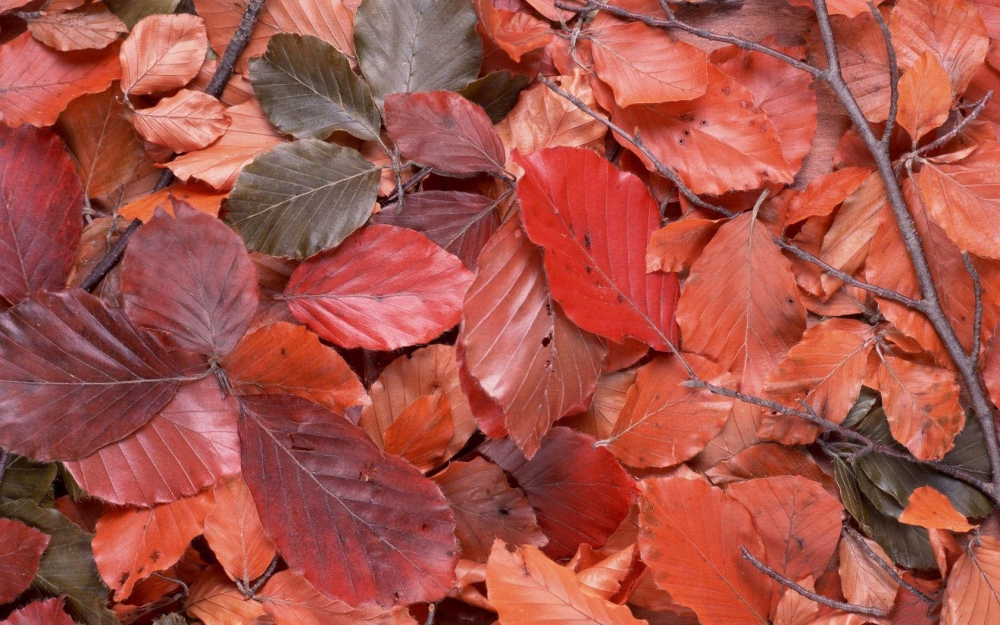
(37, 83)
(459, 222)
(444, 130)
(41, 207)
(235, 534)
(47, 612)
(21, 548)
(664, 423)
(520, 346)
(291, 599)
(76, 375)
(580, 493)
(132, 544)
(188, 446)
(190, 276)
(587, 216)
(690, 536)
(287, 358)
(381, 532)
(383, 288)
(487, 508)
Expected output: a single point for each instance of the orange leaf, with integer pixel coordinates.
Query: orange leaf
(824, 193)
(644, 65)
(187, 121)
(794, 609)
(604, 577)
(94, 27)
(951, 30)
(847, 242)
(740, 305)
(864, 63)
(924, 97)
(196, 196)
(163, 52)
(290, 599)
(716, 142)
(781, 91)
(825, 370)
(798, 521)
(519, 344)
(850, 8)
(215, 600)
(690, 536)
(526, 577)
(423, 372)
(768, 460)
(37, 83)
(234, 532)
(131, 544)
(288, 358)
(606, 406)
(421, 432)
(677, 245)
(220, 163)
(864, 582)
(487, 508)
(516, 33)
(931, 509)
(663, 422)
(964, 198)
(971, 596)
(921, 404)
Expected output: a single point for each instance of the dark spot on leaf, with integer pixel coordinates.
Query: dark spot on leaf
(282, 351)
(547, 339)
(154, 556)
(503, 511)
(586, 240)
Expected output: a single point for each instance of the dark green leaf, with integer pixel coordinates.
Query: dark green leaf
(67, 565)
(417, 45)
(27, 479)
(131, 11)
(302, 198)
(497, 93)
(866, 401)
(307, 88)
(907, 545)
(969, 452)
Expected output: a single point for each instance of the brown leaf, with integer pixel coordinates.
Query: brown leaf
(215, 600)
(795, 609)
(606, 405)
(487, 508)
(924, 97)
(94, 27)
(931, 509)
(527, 576)
(864, 63)
(864, 581)
(971, 595)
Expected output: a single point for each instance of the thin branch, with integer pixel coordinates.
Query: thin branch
(885, 566)
(977, 108)
(250, 591)
(110, 258)
(703, 33)
(977, 325)
(431, 613)
(224, 70)
(5, 457)
(413, 181)
(808, 594)
(692, 197)
(890, 122)
(932, 308)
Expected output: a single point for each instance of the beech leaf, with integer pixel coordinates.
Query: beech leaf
(970, 596)
(382, 532)
(188, 120)
(76, 375)
(235, 534)
(48, 611)
(384, 288)
(290, 598)
(437, 37)
(933, 510)
(421, 432)
(308, 89)
(94, 27)
(21, 548)
(163, 52)
(302, 198)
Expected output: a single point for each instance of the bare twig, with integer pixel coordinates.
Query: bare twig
(977, 108)
(225, 68)
(977, 324)
(250, 590)
(885, 566)
(808, 594)
(890, 122)
(4, 463)
(110, 258)
(414, 180)
(431, 613)
(931, 308)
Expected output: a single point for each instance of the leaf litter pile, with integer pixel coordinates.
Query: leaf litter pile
(518, 311)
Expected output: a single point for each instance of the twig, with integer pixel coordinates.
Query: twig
(110, 258)
(250, 591)
(977, 108)
(225, 68)
(885, 566)
(431, 612)
(414, 180)
(185, 590)
(977, 324)
(4, 463)
(931, 308)
(673, 22)
(890, 122)
(808, 594)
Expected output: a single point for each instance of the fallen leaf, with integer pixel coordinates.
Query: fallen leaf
(933, 510)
